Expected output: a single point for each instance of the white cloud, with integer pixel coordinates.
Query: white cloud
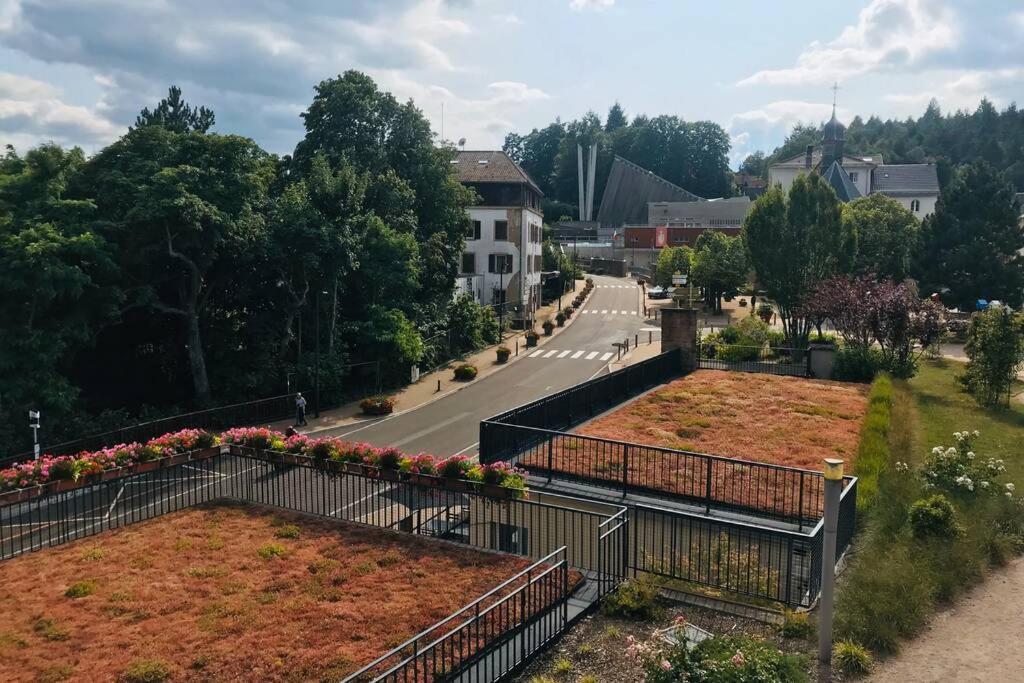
(32, 111)
(960, 90)
(888, 34)
(763, 128)
(580, 5)
(511, 19)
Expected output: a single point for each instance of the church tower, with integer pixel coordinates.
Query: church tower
(832, 137)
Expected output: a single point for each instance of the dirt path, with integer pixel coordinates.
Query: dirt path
(977, 640)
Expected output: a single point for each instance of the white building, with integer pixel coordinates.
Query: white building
(502, 259)
(915, 186)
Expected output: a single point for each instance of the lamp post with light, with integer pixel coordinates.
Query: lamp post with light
(833, 490)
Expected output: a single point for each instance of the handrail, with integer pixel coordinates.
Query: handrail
(411, 641)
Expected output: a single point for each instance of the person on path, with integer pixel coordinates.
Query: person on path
(300, 410)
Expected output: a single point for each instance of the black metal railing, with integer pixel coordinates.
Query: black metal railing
(572, 406)
(535, 597)
(765, 359)
(716, 483)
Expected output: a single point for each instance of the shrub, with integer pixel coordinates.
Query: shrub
(995, 349)
(560, 318)
(80, 589)
(377, 405)
(48, 629)
(796, 625)
(873, 452)
(934, 517)
(723, 659)
(548, 327)
(856, 364)
(145, 671)
(634, 599)
(561, 667)
(503, 353)
(389, 458)
(465, 372)
(851, 658)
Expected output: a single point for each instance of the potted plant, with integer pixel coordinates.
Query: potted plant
(377, 405)
(532, 338)
(548, 326)
(560, 318)
(465, 372)
(568, 312)
(148, 459)
(503, 353)
(765, 312)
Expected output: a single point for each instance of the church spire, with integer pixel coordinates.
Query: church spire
(832, 136)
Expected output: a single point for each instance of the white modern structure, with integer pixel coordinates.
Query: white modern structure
(501, 263)
(915, 186)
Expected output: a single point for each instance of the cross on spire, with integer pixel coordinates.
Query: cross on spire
(835, 96)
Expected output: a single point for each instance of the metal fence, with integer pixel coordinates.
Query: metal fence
(715, 483)
(765, 359)
(579, 403)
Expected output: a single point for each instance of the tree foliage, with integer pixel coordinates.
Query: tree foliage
(971, 246)
(793, 242)
(672, 260)
(176, 115)
(719, 266)
(995, 349)
(887, 235)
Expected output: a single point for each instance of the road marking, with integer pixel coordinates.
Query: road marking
(578, 354)
(386, 489)
(563, 354)
(606, 356)
(116, 498)
(604, 311)
(550, 353)
(536, 353)
(472, 445)
(591, 355)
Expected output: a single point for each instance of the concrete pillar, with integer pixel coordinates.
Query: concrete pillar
(823, 357)
(679, 331)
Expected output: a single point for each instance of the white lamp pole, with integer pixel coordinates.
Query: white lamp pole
(33, 416)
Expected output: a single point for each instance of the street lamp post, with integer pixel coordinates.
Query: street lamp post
(33, 417)
(833, 491)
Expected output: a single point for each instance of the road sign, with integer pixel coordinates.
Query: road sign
(678, 278)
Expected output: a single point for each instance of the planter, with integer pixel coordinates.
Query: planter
(204, 453)
(176, 459)
(531, 342)
(425, 480)
(147, 466)
(353, 467)
(235, 449)
(64, 485)
(502, 355)
(390, 475)
(497, 491)
(457, 484)
(18, 495)
(548, 330)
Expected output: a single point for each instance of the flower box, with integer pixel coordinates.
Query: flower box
(65, 485)
(204, 453)
(235, 449)
(18, 495)
(116, 473)
(390, 475)
(147, 466)
(176, 459)
(498, 491)
(425, 480)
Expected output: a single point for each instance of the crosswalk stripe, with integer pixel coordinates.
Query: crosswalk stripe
(591, 355)
(536, 353)
(606, 356)
(604, 311)
(550, 353)
(563, 354)
(578, 354)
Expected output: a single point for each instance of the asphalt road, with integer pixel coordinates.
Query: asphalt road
(451, 424)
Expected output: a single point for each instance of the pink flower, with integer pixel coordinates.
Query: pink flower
(738, 660)
(666, 665)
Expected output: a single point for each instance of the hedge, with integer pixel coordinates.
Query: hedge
(873, 453)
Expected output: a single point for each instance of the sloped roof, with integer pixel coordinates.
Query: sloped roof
(630, 188)
(897, 180)
(490, 167)
(798, 160)
(839, 179)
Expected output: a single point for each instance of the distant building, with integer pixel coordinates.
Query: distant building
(750, 186)
(677, 224)
(501, 263)
(629, 191)
(915, 186)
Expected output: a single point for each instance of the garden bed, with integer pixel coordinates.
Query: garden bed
(229, 593)
(764, 418)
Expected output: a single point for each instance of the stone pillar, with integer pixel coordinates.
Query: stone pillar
(679, 331)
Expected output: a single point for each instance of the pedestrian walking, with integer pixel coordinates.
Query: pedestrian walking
(300, 410)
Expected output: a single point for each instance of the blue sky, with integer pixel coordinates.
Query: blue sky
(77, 72)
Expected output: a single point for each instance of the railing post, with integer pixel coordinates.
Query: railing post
(707, 485)
(800, 510)
(551, 457)
(625, 469)
(522, 619)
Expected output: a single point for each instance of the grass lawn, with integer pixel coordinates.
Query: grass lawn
(230, 593)
(944, 408)
(766, 418)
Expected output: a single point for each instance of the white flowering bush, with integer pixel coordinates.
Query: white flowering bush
(958, 469)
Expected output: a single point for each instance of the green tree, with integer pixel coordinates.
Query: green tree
(180, 207)
(176, 115)
(616, 119)
(672, 260)
(995, 349)
(886, 235)
(58, 286)
(793, 242)
(755, 164)
(719, 266)
(970, 246)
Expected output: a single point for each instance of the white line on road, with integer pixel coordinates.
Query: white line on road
(606, 356)
(116, 498)
(550, 353)
(357, 502)
(563, 354)
(536, 353)
(592, 355)
(604, 311)
(578, 354)
(472, 445)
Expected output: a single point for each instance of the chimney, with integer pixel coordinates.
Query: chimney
(807, 156)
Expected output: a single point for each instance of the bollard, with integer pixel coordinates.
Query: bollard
(517, 346)
(833, 489)
(636, 340)
(650, 336)
(438, 386)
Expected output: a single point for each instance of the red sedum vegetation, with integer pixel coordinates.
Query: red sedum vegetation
(232, 593)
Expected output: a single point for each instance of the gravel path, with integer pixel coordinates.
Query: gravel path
(976, 640)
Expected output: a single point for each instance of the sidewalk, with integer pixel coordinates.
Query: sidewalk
(975, 640)
(439, 383)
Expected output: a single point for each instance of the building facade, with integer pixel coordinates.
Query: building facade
(915, 186)
(501, 264)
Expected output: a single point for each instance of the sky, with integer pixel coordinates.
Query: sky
(77, 72)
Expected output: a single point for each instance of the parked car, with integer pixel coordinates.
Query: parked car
(657, 293)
